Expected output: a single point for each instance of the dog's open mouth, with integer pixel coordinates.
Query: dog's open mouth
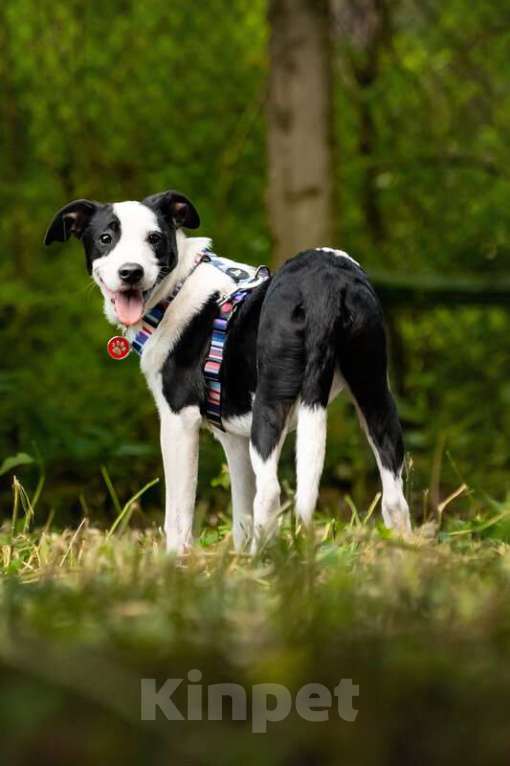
(129, 306)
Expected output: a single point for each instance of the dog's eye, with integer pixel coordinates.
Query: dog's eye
(105, 239)
(154, 237)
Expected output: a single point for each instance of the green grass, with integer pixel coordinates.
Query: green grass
(422, 625)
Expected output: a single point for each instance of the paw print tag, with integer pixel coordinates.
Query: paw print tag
(118, 347)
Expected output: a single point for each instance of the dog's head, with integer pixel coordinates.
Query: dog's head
(129, 246)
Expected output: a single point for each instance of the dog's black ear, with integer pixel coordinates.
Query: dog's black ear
(176, 208)
(72, 219)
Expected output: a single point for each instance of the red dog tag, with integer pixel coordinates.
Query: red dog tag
(118, 347)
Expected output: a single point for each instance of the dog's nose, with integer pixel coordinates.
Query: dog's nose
(131, 273)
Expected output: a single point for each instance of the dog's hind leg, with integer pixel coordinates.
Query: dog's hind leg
(312, 422)
(242, 482)
(364, 367)
(379, 420)
(310, 452)
(269, 429)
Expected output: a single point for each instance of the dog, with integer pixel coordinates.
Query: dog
(299, 337)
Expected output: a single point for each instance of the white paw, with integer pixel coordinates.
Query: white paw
(261, 537)
(243, 543)
(176, 546)
(396, 516)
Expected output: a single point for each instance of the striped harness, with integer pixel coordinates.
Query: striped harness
(247, 278)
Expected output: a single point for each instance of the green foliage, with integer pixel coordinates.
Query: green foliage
(112, 101)
(119, 99)
(15, 461)
(116, 100)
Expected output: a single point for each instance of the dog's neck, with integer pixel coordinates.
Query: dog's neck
(188, 250)
(203, 283)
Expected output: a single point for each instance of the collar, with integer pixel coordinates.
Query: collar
(152, 319)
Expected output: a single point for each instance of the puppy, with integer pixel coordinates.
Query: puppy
(290, 346)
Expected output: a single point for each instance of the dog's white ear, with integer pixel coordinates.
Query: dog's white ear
(72, 219)
(176, 208)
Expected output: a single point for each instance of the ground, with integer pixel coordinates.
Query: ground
(421, 626)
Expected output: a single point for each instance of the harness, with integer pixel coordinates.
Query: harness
(247, 278)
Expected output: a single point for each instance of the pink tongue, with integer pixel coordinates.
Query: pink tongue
(129, 306)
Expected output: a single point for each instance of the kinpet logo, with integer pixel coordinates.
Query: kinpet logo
(261, 703)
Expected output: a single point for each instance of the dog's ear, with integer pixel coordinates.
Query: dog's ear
(72, 219)
(175, 208)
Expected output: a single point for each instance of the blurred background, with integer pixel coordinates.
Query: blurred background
(376, 126)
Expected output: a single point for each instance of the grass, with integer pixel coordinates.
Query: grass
(422, 626)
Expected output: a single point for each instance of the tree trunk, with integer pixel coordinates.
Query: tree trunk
(300, 145)
(364, 28)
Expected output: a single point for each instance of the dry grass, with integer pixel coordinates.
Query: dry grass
(422, 625)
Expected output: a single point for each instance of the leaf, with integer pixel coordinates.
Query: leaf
(22, 458)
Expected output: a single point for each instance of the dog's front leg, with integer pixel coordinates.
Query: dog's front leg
(179, 447)
(242, 482)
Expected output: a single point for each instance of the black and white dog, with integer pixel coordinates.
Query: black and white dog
(300, 337)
